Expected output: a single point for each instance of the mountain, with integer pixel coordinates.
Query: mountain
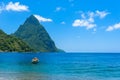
(10, 43)
(35, 35)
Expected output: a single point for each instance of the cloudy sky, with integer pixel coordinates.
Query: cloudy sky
(74, 25)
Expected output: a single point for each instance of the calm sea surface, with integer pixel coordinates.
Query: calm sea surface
(60, 66)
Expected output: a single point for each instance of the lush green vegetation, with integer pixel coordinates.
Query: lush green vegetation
(34, 34)
(10, 43)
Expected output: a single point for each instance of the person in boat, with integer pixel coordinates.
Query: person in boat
(35, 60)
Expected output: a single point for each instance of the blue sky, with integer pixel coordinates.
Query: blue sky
(74, 25)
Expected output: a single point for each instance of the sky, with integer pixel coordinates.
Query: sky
(74, 25)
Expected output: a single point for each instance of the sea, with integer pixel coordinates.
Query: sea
(60, 66)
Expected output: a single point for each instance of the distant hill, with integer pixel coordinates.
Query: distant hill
(35, 35)
(10, 43)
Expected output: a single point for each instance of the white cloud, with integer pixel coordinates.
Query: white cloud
(13, 7)
(102, 14)
(83, 23)
(58, 9)
(113, 27)
(42, 19)
(63, 22)
(91, 19)
(16, 7)
(110, 28)
(83, 16)
(88, 19)
(91, 14)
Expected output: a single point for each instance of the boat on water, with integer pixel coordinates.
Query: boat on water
(35, 60)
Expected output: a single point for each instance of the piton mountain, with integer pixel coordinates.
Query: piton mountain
(35, 35)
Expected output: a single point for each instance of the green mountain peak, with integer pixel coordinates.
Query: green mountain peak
(32, 20)
(34, 34)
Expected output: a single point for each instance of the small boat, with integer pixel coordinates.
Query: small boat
(35, 60)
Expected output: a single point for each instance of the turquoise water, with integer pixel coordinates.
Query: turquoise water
(60, 66)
